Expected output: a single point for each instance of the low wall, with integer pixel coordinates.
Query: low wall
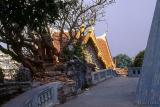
(102, 75)
(48, 95)
(134, 71)
(43, 96)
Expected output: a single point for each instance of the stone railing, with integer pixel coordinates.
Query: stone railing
(134, 71)
(43, 96)
(49, 95)
(102, 75)
(111, 73)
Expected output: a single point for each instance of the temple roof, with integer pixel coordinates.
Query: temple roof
(102, 46)
(100, 43)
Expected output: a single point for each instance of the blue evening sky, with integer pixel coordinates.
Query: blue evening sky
(128, 24)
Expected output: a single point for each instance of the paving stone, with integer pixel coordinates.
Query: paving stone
(115, 92)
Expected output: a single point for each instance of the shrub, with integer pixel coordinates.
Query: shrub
(23, 74)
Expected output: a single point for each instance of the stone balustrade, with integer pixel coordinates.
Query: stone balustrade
(43, 96)
(102, 75)
(48, 95)
(134, 71)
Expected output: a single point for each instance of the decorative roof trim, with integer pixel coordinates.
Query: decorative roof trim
(104, 37)
(91, 36)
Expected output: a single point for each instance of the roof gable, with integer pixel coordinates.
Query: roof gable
(101, 44)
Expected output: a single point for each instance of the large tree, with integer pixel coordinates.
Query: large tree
(76, 19)
(24, 29)
(122, 61)
(138, 61)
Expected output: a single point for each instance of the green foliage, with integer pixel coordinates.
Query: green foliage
(32, 13)
(23, 75)
(24, 25)
(138, 61)
(123, 61)
(78, 50)
(66, 54)
(24, 28)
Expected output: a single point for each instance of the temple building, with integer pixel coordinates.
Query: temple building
(97, 50)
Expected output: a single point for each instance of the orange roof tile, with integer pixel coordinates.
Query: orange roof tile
(57, 39)
(102, 47)
(105, 51)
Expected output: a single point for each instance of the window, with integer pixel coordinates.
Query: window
(139, 72)
(134, 72)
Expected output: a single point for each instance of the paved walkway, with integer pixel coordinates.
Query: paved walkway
(115, 92)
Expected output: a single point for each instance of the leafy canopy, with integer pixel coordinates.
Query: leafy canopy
(23, 24)
(123, 61)
(24, 28)
(138, 61)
